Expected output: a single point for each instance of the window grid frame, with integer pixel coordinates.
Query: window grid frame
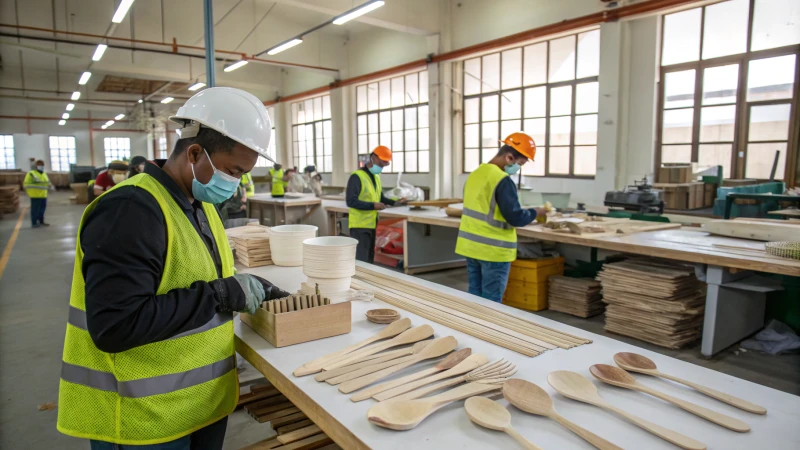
(116, 149)
(740, 142)
(273, 144)
(7, 154)
(314, 124)
(548, 86)
(62, 153)
(391, 109)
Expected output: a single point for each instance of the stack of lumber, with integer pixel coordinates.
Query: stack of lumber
(657, 302)
(489, 324)
(251, 245)
(9, 199)
(294, 430)
(577, 296)
(59, 179)
(13, 177)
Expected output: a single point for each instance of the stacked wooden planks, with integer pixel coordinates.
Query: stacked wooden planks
(251, 245)
(655, 301)
(12, 177)
(489, 324)
(294, 430)
(9, 199)
(577, 296)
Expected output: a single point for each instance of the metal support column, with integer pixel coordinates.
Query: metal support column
(208, 22)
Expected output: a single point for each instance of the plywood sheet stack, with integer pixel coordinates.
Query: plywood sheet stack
(577, 296)
(657, 302)
(13, 177)
(251, 245)
(9, 199)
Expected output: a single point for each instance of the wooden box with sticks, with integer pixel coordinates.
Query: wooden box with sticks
(299, 318)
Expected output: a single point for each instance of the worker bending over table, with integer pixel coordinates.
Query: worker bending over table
(149, 354)
(279, 180)
(364, 197)
(487, 236)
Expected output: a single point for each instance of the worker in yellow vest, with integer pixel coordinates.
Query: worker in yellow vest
(149, 354)
(279, 180)
(364, 197)
(487, 236)
(248, 184)
(36, 185)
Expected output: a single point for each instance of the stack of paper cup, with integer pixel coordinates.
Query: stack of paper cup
(330, 262)
(286, 243)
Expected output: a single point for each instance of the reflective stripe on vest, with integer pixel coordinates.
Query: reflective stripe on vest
(483, 233)
(369, 193)
(277, 181)
(164, 390)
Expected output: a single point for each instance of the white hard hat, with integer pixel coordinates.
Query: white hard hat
(235, 113)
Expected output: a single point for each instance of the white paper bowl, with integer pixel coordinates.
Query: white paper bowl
(286, 243)
(329, 257)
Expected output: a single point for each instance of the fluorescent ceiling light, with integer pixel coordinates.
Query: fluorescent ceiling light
(167, 100)
(235, 66)
(71, 106)
(284, 46)
(62, 122)
(109, 123)
(76, 95)
(104, 126)
(119, 117)
(98, 53)
(65, 116)
(85, 78)
(197, 86)
(140, 100)
(360, 11)
(122, 10)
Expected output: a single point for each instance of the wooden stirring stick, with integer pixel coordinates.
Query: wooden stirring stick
(397, 357)
(409, 336)
(634, 362)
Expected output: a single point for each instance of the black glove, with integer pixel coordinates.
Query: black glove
(271, 291)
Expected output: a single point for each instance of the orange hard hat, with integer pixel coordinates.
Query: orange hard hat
(383, 153)
(522, 143)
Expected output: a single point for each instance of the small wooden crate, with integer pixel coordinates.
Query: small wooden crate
(301, 326)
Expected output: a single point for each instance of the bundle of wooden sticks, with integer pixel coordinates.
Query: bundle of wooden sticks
(294, 303)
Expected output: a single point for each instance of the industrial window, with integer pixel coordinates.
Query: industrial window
(264, 162)
(727, 90)
(549, 90)
(117, 148)
(163, 152)
(311, 133)
(394, 113)
(62, 153)
(7, 152)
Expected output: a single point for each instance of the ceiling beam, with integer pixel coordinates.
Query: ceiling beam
(363, 19)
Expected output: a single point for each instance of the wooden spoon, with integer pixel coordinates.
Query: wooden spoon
(618, 377)
(390, 331)
(634, 362)
(469, 364)
(392, 356)
(490, 414)
(407, 414)
(451, 361)
(435, 349)
(405, 351)
(370, 368)
(577, 387)
(409, 336)
(534, 400)
(491, 373)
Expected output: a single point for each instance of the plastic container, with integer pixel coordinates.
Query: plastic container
(536, 270)
(527, 282)
(286, 243)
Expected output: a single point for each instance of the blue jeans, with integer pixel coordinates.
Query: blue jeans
(210, 437)
(38, 205)
(488, 279)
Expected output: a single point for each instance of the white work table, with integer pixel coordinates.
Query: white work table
(449, 428)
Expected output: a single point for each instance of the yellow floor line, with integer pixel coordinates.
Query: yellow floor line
(11, 242)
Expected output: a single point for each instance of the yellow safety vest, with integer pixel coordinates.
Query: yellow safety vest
(160, 391)
(484, 233)
(249, 186)
(278, 184)
(36, 184)
(369, 193)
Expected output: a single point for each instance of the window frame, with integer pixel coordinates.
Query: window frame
(378, 112)
(55, 167)
(548, 86)
(314, 123)
(8, 155)
(116, 148)
(738, 164)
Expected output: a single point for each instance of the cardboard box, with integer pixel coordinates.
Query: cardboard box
(81, 193)
(698, 196)
(709, 195)
(682, 195)
(675, 173)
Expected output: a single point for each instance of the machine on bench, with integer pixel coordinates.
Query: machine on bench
(639, 197)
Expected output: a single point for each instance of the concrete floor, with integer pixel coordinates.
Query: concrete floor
(34, 299)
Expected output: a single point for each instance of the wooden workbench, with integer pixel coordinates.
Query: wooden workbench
(346, 423)
(272, 211)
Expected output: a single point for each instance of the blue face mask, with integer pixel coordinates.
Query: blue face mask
(219, 188)
(375, 169)
(511, 169)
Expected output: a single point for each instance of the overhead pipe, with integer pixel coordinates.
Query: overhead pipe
(59, 118)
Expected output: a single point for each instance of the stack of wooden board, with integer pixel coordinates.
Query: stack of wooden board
(250, 244)
(577, 296)
(655, 301)
(59, 179)
(9, 199)
(12, 177)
